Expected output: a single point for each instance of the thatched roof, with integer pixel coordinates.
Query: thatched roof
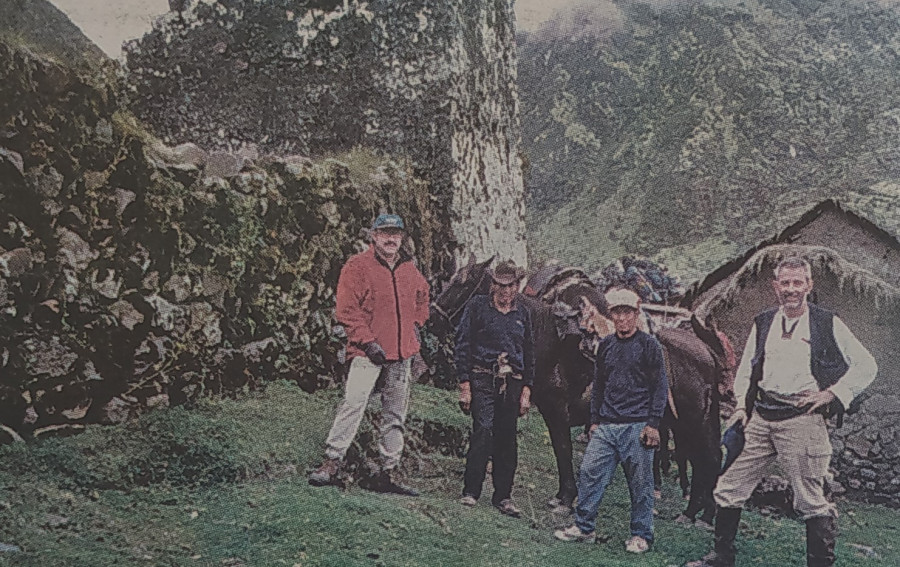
(849, 276)
(848, 212)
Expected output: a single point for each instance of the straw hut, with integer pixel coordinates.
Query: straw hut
(856, 273)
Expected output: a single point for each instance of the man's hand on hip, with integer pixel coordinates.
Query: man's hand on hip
(650, 437)
(525, 401)
(465, 397)
(815, 400)
(738, 415)
(375, 353)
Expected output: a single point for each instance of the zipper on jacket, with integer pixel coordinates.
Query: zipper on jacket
(402, 260)
(399, 321)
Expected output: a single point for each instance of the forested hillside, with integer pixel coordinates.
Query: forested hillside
(702, 129)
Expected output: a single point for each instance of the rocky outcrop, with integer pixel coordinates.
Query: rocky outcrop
(130, 270)
(432, 80)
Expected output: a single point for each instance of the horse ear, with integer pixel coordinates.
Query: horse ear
(697, 326)
(583, 303)
(481, 267)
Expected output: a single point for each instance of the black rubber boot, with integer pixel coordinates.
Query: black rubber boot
(821, 534)
(723, 554)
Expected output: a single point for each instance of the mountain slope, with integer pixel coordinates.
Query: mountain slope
(705, 123)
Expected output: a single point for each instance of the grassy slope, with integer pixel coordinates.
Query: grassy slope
(275, 518)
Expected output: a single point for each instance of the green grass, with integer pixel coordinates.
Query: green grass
(271, 516)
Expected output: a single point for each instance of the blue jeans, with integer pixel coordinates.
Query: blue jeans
(611, 444)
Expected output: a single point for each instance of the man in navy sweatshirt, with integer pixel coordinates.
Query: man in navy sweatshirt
(629, 395)
(495, 363)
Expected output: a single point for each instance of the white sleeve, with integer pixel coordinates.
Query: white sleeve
(742, 376)
(863, 367)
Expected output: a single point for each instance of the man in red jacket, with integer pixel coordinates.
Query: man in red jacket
(382, 299)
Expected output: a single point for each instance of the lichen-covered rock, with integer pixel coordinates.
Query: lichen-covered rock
(127, 273)
(428, 79)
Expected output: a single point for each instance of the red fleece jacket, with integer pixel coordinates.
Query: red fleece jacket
(375, 303)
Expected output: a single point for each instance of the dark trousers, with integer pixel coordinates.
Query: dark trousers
(494, 418)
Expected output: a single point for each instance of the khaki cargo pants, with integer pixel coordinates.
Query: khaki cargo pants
(394, 404)
(799, 445)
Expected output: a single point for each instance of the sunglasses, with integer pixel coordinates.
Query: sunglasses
(498, 284)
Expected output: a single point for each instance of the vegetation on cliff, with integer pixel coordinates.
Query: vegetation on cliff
(427, 80)
(703, 128)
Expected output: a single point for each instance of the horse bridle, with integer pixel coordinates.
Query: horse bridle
(451, 316)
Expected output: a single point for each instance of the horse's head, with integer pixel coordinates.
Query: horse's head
(723, 354)
(590, 304)
(471, 279)
(592, 321)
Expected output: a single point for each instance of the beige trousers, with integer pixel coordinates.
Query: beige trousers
(394, 404)
(801, 448)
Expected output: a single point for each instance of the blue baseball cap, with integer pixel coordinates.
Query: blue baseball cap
(388, 221)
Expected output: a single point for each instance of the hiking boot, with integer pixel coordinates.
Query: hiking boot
(386, 481)
(821, 534)
(326, 473)
(636, 544)
(468, 500)
(724, 552)
(507, 508)
(559, 505)
(574, 533)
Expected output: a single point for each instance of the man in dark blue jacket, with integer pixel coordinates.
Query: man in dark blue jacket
(495, 365)
(628, 399)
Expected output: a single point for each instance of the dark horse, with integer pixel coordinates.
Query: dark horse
(563, 374)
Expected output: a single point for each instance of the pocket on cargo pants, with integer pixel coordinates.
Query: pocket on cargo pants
(817, 459)
(816, 463)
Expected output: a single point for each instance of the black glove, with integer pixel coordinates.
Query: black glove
(375, 353)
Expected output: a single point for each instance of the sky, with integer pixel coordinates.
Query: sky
(109, 23)
(532, 13)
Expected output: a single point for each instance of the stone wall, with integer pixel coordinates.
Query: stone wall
(429, 79)
(132, 273)
(866, 459)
